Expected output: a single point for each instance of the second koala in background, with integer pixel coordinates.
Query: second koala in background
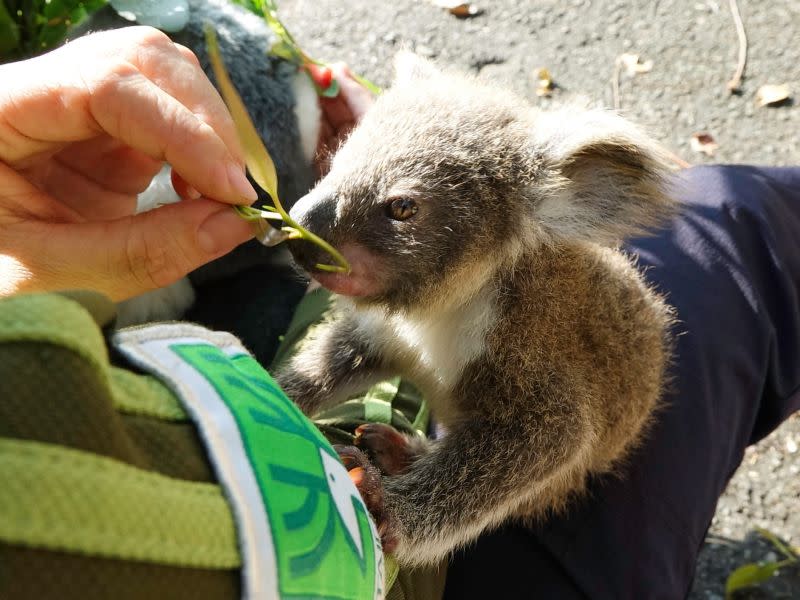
(482, 235)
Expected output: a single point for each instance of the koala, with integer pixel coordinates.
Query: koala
(483, 235)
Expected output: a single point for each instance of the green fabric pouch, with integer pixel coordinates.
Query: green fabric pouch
(109, 491)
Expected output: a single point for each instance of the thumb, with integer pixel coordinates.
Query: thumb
(132, 255)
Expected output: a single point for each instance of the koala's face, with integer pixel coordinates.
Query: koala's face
(423, 186)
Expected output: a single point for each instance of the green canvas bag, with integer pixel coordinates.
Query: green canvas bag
(122, 480)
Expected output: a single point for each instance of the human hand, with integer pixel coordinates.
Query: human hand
(83, 129)
(339, 114)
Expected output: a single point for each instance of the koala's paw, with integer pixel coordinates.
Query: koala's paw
(388, 449)
(367, 479)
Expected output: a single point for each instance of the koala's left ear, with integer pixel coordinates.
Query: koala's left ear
(409, 67)
(609, 179)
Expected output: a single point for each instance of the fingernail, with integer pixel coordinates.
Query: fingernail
(238, 181)
(223, 231)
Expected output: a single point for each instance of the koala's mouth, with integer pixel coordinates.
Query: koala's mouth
(362, 280)
(339, 283)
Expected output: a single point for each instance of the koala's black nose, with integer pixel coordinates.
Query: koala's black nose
(316, 211)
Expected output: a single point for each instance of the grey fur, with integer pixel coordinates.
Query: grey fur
(538, 344)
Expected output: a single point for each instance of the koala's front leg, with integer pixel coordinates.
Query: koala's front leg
(334, 362)
(481, 473)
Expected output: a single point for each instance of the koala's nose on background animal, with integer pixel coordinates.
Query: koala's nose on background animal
(316, 212)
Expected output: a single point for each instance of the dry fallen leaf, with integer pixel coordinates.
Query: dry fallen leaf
(633, 64)
(544, 82)
(459, 9)
(768, 95)
(703, 142)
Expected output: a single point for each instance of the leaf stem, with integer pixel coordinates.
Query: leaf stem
(776, 541)
(270, 11)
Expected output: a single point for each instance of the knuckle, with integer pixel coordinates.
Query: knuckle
(151, 263)
(150, 49)
(109, 77)
(149, 36)
(105, 89)
(184, 132)
(189, 55)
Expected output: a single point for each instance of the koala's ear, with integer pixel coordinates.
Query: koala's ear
(607, 178)
(409, 67)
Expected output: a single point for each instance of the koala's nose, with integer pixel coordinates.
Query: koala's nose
(316, 212)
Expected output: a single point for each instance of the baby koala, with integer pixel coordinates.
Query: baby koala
(482, 238)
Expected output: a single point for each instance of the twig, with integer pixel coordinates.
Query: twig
(681, 164)
(736, 80)
(615, 83)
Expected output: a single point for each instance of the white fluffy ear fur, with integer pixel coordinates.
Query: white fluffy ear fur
(409, 67)
(609, 177)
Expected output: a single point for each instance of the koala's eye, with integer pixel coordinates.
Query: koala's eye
(401, 209)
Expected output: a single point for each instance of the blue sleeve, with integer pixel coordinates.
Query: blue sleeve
(729, 264)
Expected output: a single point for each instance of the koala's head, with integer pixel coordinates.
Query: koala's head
(446, 177)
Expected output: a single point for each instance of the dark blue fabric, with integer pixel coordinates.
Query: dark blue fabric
(730, 265)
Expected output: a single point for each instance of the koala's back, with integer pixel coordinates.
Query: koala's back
(579, 335)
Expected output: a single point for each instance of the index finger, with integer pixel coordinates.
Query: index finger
(117, 83)
(189, 141)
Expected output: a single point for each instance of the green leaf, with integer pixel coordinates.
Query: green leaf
(747, 575)
(328, 268)
(752, 574)
(257, 214)
(253, 7)
(53, 33)
(775, 541)
(93, 5)
(286, 52)
(257, 158)
(9, 32)
(367, 84)
(248, 212)
(287, 48)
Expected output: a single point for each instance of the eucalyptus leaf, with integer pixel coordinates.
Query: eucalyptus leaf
(282, 50)
(374, 89)
(748, 575)
(260, 164)
(9, 32)
(258, 160)
(287, 48)
(752, 574)
(787, 551)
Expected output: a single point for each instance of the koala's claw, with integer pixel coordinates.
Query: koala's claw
(367, 479)
(388, 448)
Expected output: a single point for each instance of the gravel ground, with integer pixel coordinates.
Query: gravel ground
(693, 46)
